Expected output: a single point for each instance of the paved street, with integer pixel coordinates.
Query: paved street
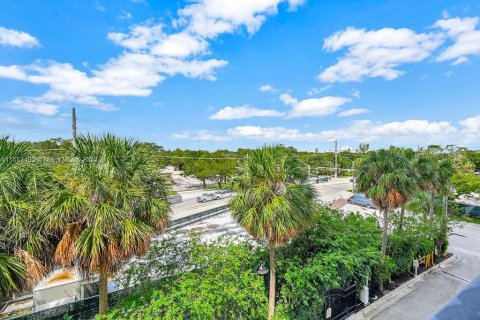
(439, 287)
(333, 189)
(189, 204)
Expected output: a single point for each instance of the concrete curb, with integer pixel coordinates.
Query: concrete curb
(374, 308)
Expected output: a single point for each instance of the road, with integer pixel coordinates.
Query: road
(333, 189)
(440, 286)
(189, 204)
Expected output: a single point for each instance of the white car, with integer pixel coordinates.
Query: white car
(221, 194)
(206, 196)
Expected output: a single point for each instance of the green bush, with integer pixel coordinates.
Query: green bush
(214, 281)
(384, 270)
(335, 252)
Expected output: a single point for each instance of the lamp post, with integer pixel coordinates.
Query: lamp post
(261, 270)
(353, 174)
(308, 167)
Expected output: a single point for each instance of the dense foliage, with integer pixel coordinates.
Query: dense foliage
(336, 252)
(188, 279)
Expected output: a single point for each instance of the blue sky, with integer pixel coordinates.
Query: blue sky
(211, 74)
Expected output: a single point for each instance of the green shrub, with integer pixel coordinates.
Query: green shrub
(213, 281)
(336, 252)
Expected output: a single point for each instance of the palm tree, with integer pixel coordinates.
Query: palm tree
(426, 166)
(273, 202)
(446, 171)
(385, 177)
(24, 243)
(112, 203)
(411, 156)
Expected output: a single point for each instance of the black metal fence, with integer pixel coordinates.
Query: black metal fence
(340, 302)
(85, 309)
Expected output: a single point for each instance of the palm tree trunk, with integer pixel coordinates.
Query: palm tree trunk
(384, 242)
(445, 206)
(271, 295)
(385, 233)
(402, 215)
(103, 293)
(432, 206)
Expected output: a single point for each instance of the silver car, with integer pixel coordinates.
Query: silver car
(204, 197)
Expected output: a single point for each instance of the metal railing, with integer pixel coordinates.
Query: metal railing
(181, 222)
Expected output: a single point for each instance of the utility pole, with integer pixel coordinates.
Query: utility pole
(74, 127)
(336, 160)
(353, 176)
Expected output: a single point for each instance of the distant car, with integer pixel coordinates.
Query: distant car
(220, 194)
(321, 179)
(204, 197)
(359, 199)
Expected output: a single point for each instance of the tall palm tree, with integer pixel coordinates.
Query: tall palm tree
(411, 156)
(273, 202)
(112, 204)
(426, 165)
(385, 177)
(446, 171)
(24, 243)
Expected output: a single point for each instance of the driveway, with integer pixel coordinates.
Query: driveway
(440, 286)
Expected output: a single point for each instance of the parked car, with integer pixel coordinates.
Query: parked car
(359, 199)
(206, 196)
(322, 179)
(220, 194)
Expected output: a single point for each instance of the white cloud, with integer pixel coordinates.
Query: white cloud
(466, 39)
(471, 125)
(43, 108)
(401, 132)
(150, 54)
(202, 135)
(267, 88)
(376, 53)
(10, 37)
(317, 91)
(314, 107)
(209, 18)
(356, 93)
(353, 112)
(243, 112)
(125, 15)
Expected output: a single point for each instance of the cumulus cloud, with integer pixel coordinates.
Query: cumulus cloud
(267, 88)
(10, 37)
(43, 108)
(209, 18)
(380, 53)
(243, 112)
(466, 38)
(376, 53)
(471, 126)
(353, 112)
(313, 107)
(150, 54)
(202, 135)
(401, 132)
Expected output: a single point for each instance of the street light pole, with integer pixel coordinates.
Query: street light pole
(353, 176)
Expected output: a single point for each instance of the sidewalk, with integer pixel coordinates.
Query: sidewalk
(411, 293)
